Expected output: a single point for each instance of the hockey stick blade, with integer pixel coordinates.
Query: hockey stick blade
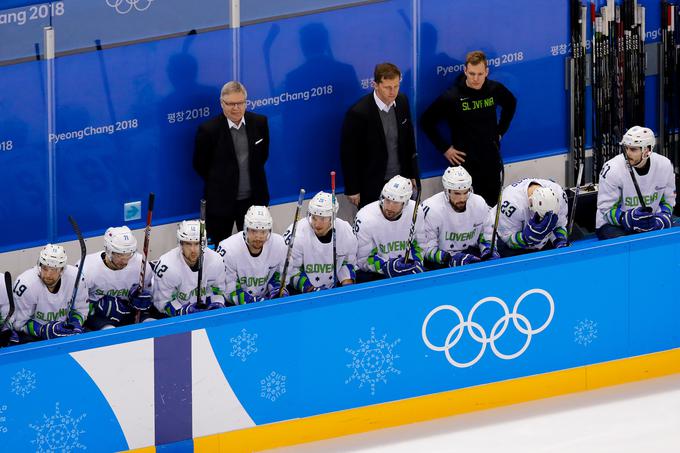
(10, 299)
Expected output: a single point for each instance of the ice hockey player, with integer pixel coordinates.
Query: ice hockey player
(311, 264)
(533, 217)
(382, 229)
(619, 209)
(254, 259)
(455, 221)
(175, 279)
(112, 277)
(42, 295)
(8, 336)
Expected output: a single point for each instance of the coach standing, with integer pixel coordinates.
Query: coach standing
(377, 141)
(469, 108)
(229, 154)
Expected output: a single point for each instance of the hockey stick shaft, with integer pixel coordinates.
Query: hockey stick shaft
(414, 218)
(296, 218)
(494, 234)
(10, 299)
(145, 255)
(83, 252)
(201, 244)
(335, 250)
(573, 205)
(634, 179)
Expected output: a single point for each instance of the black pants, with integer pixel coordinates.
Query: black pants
(486, 178)
(220, 227)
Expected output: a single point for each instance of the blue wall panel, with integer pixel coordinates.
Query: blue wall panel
(304, 72)
(141, 104)
(23, 156)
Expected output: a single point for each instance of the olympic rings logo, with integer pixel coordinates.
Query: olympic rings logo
(125, 6)
(477, 332)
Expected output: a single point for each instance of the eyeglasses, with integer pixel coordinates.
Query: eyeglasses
(231, 105)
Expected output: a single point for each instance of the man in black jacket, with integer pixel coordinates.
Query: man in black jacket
(229, 154)
(377, 140)
(469, 108)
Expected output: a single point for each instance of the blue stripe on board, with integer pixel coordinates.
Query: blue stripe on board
(184, 446)
(172, 378)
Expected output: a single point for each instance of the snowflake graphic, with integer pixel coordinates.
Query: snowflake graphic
(59, 432)
(373, 361)
(585, 332)
(243, 345)
(3, 419)
(23, 382)
(273, 386)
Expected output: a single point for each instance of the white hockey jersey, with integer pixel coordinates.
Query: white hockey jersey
(251, 274)
(617, 193)
(515, 212)
(316, 258)
(385, 239)
(175, 282)
(450, 231)
(103, 281)
(34, 301)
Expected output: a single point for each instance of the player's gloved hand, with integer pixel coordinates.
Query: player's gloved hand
(244, 297)
(537, 229)
(395, 267)
(662, 220)
(275, 290)
(307, 286)
(637, 220)
(462, 258)
(56, 329)
(112, 308)
(74, 320)
(139, 298)
(211, 304)
(560, 241)
(485, 254)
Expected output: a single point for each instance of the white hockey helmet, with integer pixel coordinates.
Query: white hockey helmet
(457, 178)
(542, 200)
(53, 256)
(638, 136)
(119, 240)
(322, 205)
(397, 189)
(258, 218)
(189, 231)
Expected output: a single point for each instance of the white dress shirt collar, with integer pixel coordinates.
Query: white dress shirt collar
(381, 105)
(236, 126)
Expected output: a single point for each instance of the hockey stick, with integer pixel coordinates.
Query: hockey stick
(494, 235)
(335, 250)
(145, 256)
(10, 299)
(284, 273)
(570, 227)
(201, 244)
(83, 252)
(412, 231)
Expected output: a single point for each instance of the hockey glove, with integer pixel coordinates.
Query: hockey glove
(662, 220)
(537, 229)
(51, 330)
(461, 259)
(75, 321)
(214, 304)
(560, 238)
(304, 285)
(140, 299)
(637, 220)
(396, 267)
(487, 255)
(274, 292)
(112, 308)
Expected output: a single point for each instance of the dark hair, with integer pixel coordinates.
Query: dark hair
(475, 57)
(386, 71)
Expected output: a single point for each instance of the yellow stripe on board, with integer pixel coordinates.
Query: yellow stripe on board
(445, 404)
